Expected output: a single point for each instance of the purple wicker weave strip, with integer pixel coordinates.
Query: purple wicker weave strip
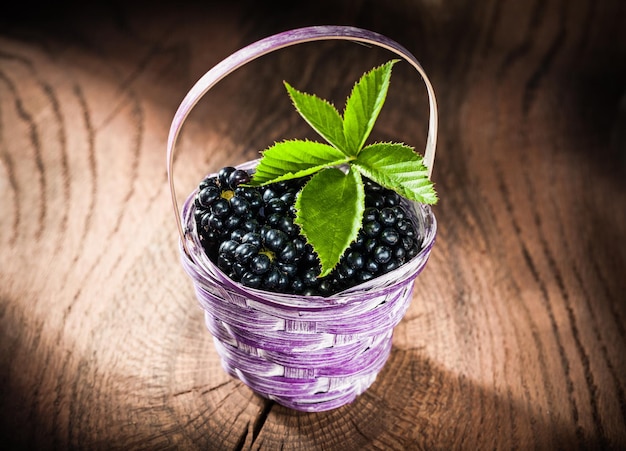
(305, 352)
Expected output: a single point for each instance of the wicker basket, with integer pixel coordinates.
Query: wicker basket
(308, 353)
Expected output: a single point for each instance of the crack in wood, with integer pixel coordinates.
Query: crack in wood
(260, 420)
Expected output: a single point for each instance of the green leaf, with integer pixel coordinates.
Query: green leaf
(329, 212)
(320, 115)
(364, 104)
(295, 158)
(397, 167)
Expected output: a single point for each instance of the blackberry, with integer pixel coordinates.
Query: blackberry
(223, 206)
(250, 234)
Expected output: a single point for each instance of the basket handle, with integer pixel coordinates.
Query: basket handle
(279, 41)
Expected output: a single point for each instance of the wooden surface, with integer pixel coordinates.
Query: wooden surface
(515, 336)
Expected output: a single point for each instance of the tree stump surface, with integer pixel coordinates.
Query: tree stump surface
(515, 335)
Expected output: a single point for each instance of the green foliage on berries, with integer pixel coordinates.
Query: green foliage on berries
(397, 167)
(294, 159)
(363, 106)
(330, 206)
(321, 115)
(337, 224)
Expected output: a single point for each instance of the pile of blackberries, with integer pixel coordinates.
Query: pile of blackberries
(250, 234)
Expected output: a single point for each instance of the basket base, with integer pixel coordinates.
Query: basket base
(314, 394)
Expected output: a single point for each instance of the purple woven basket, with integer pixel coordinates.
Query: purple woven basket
(308, 353)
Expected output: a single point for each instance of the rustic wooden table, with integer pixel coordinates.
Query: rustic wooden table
(515, 336)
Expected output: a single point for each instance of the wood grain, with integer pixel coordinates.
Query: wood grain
(516, 335)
